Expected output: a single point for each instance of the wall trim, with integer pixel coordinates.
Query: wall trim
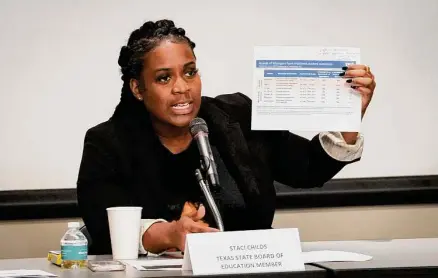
(400, 190)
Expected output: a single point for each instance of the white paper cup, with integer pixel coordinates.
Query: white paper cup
(124, 226)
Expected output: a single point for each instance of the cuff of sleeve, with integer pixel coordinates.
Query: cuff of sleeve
(335, 146)
(145, 225)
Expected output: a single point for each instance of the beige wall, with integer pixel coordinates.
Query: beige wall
(19, 239)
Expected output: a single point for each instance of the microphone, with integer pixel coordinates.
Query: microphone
(210, 201)
(199, 130)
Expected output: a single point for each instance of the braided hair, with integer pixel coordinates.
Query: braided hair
(140, 42)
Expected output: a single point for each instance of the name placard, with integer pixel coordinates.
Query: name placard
(273, 250)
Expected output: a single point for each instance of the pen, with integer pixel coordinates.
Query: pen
(161, 266)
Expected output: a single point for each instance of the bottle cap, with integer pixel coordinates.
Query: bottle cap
(73, 224)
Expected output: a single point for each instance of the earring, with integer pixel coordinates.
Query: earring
(140, 98)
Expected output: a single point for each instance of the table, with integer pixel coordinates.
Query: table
(391, 258)
(43, 264)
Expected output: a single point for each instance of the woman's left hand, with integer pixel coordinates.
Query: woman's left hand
(362, 80)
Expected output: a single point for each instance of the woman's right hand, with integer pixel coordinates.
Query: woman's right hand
(190, 222)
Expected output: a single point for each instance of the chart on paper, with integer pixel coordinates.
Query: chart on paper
(299, 88)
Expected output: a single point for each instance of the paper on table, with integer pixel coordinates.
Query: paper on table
(155, 264)
(25, 273)
(333, 256)
(299, 88)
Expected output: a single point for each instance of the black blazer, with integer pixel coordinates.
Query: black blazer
(119, 167)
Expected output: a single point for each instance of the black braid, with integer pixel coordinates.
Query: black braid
(140, 42)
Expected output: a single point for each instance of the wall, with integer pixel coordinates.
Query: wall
(59, 73)
(21, 239)
(60, 60)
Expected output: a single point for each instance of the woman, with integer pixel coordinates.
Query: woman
(144, 154)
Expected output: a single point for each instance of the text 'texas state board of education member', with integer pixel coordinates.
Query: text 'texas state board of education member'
(144, 154)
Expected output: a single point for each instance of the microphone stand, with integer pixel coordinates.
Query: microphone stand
(210, 200)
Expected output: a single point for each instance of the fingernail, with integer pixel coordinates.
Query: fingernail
(342, 73)
(344, 68)
(349, 80)
(354, 87)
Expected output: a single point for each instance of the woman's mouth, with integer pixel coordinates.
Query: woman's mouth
(182, 108)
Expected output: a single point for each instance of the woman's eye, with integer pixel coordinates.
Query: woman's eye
(163, 78)
(191, 73)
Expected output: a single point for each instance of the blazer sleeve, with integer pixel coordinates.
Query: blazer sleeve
(98, 187)
(295, 161)
(302, 163)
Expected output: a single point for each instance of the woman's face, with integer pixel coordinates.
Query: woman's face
(170, 85)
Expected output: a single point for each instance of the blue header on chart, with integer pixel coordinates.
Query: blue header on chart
(302, 64)
(302, 73)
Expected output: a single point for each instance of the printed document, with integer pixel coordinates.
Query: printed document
(25, 273)
(298, 88)
(155, 263)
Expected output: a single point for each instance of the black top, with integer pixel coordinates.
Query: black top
(179, 183)
(125, 164)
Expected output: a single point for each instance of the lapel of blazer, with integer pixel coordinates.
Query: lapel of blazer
(228, 138)
(145, 169)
